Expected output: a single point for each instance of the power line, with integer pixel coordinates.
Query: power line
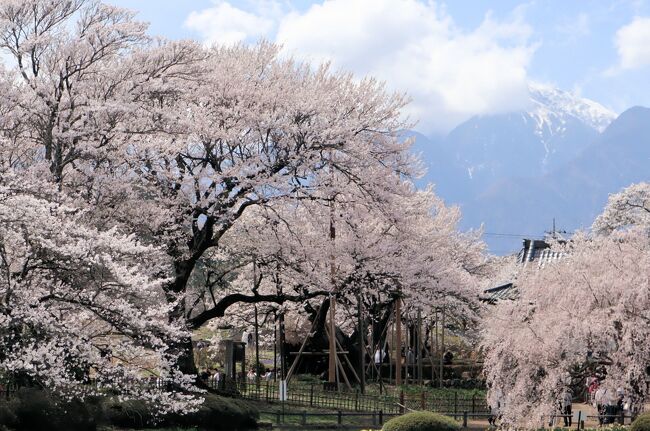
(516, 235)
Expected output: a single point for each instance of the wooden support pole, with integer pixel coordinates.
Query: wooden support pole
(342, 371)
(362, 346)
(398, 342)
(347, 360)
(405, 369)
(295, 361)
(436, 325)
(392, 341)
(257, 349)
(372, 350)
(442, 345)
(419, 347)
(332, 343)
(303, 345)
(275, 346)
(283, 362)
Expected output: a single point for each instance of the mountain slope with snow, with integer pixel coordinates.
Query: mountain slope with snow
(552, 102)
(517, 171)
(555, 128)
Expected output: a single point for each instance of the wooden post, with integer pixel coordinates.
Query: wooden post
(442, 345)
(390, 365)
(579, 418)
(362, 347)
(332, 344)
(283, 365)
(275, 346)
(311, 396)
(257, 350)
(372, 350)
(398, 342)
(419, 347)
(407, 347)
(435, 328)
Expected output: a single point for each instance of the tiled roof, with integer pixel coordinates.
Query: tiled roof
(494, 294)
(535, 253)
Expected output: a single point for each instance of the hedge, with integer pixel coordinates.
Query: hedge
(36, 410)
(421, 421)
(641, 423)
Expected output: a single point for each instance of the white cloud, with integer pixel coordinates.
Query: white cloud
(414, 46)
(576, 28)
(225, 24)
(633, 44)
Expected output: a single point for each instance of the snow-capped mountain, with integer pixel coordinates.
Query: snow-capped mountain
(557, 159)
(552, 105)
(555, 127)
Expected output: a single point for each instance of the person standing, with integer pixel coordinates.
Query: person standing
(599, 402)
(592, 388)
(567, 404)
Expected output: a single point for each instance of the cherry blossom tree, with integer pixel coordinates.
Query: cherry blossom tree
(192, 150)
(260, 130)
(588, 309)
(75, 302)
(174, 142)
(81, 82)
(407, 246)
(630, 207)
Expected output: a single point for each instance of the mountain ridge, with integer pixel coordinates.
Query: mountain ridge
(504, 175)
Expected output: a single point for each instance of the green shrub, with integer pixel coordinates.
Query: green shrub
(641, 423)
(127, 414)
(215, 414)
(421, 421)
(35, 409)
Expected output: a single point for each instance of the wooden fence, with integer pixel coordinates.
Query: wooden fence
(375, 418)
(314, 396)
(7, 389)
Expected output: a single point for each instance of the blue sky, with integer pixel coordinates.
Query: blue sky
(455, 58)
